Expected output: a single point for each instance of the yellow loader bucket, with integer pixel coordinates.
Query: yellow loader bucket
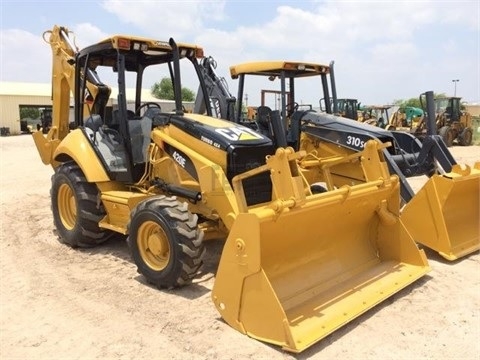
(445, 214)
(296, 270)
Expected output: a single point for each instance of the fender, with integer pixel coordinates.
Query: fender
(77, 147)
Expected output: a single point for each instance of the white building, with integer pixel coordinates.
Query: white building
(13, 95)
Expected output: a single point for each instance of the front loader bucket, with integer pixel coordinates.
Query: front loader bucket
(445, 214)
(292, 275)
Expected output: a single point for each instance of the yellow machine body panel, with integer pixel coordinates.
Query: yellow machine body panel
(285, 281)
(77, 147)
(119, 205)
(74, 146)
(445, 214)
(45, 147)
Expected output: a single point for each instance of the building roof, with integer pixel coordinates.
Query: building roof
(44, 89)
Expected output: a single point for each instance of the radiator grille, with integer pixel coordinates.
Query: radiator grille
(258, 188)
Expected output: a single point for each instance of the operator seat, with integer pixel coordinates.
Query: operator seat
(94, 122)
(263, 121)
(139, 129)
(108, 142)
(140, 132)
(115, 123)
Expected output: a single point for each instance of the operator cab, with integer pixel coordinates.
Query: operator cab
(449, 107)
(118, 120)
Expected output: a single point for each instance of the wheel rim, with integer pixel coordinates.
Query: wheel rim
(153, 245)
(67, 206)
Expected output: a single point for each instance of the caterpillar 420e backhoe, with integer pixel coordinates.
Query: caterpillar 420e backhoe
(295, 265)
(444, 215)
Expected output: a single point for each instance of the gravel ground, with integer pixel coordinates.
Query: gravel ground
(61, 303)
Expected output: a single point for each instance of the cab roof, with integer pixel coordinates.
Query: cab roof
(138, 50)
(128, 42)
(275, 68)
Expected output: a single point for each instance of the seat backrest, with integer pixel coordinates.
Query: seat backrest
(130, 114)
(115, 120)
(115, 123)
(263, 115)
(140, 131)
(94, 122)
(262, 119)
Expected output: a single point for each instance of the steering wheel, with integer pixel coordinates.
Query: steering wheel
(148, 105)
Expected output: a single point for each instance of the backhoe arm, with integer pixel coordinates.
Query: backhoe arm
(222, 103)
(63, 78)
(63, 82)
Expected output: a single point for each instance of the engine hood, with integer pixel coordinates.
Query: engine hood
(218, 133)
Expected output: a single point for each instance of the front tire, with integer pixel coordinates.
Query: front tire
(76, 213)
(465, 137)
(447, 134)
(165, 242)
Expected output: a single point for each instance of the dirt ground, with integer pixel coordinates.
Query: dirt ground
(61, 303)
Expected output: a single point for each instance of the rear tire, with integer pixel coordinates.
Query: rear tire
(76, 213)
(465, 137)
(165, 242)
(447, 134)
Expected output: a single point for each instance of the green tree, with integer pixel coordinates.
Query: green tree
(164, 90)
(187, 94)
(29, 112)
(414, 102)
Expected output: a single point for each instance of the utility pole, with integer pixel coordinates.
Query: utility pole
(455, 82)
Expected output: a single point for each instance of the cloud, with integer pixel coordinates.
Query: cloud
(25, 57)
(160, 19)
(383, 50)
(88, 34)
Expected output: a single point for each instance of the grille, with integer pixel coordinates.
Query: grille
(258, 188)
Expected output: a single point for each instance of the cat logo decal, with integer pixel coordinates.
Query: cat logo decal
(237, 133)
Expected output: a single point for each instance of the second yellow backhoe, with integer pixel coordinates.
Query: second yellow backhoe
(444, 215)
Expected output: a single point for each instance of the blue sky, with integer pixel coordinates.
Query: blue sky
(383, 50)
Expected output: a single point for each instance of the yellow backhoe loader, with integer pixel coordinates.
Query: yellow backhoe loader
(376, 115)
(296, 265)
(444, 215)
